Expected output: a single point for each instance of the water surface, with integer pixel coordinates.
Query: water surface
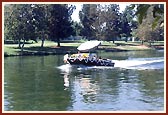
(45, 83)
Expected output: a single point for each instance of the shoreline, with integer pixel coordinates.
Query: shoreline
(63, 52)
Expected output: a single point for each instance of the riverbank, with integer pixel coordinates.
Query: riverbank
(50, 48)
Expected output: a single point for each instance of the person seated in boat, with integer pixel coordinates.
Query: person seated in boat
(84, 55)
(94, 57)
(99, 59)
(73, 56)
(80, 56)
(65, 58)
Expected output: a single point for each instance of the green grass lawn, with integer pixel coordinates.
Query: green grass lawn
(50, 47)
(32, 48)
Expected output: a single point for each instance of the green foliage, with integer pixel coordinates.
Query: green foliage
(155, 22)
(37, 21)
(127, 22)
(142, 11)
(77, 28)
(157, 12)
(149, 30)
(20, 17)
(60, 22)
(24, 22)
(100, 21)
(88, 16)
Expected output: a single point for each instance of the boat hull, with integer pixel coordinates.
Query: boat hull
(87, 62)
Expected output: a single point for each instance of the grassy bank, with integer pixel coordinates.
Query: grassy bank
(50, 48)
(35, 48)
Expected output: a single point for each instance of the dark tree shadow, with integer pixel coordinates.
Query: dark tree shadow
(48, 50)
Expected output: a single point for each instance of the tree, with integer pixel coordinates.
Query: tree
(77, 28)
(7, 24)
(87, 17)
(145, 31)
(112, 22)
(19, 23)
(11, 22)
(157, 13)
(31, 21)
(128, 22)
(40, 20)
(100, 21)
(60, 22)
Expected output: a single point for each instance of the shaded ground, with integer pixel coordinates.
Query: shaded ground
(43, 51)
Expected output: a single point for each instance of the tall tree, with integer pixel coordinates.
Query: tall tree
(157, 13)
(41, 21)
(60, 21)
(145, 31)
(88, 17)
(100, 21)
(77, 28)
(19, 23)
(112, 21)
(128, 22)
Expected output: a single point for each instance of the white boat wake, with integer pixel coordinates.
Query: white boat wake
(65, 68)
(135, 63)
(141, 63)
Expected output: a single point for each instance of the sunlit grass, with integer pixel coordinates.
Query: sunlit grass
(11, 50)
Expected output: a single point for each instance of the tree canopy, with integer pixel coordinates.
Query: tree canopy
(33, 21)
(105, 22)
(97, 21)
(146, 31)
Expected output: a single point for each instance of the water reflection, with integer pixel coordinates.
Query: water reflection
(66, 80)
(34, 85)
(65, 71)
(115, 89)
(88, 88)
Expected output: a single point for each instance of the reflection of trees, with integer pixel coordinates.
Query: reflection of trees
(109, 84)
(34, 84)
(151, 87)
(89, 90)
(94, 86)
(152, 83)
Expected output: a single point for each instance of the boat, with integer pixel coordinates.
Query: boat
(87, 59)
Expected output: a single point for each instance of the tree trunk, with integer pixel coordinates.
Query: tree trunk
(42, 42)
(42, 39)
(113, 41)
(126, 39)
(150, 43)
(19, 44)
(22, 47)
(58, 42)
(142, 42)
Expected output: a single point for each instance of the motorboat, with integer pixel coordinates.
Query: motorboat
(88, 59)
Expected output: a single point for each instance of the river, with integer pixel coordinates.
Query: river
(45, 83)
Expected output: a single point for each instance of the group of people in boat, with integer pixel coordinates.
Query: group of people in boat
(87, 59)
